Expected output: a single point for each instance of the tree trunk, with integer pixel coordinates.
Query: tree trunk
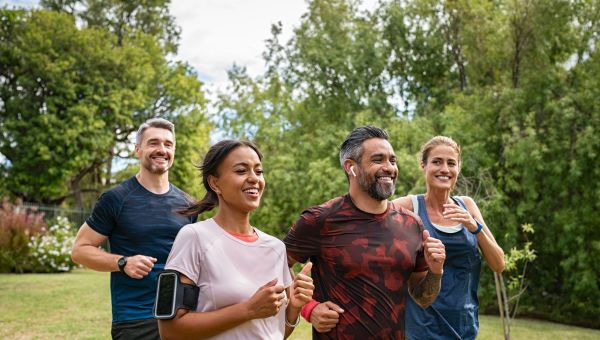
(75, 187)
(108, 176)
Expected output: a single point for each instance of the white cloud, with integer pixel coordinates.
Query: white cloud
(218, 33)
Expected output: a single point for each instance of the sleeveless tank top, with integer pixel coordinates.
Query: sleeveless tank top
(453, 315)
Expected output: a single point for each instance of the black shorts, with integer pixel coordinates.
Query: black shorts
(144, 329)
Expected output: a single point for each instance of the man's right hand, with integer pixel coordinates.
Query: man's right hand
(139, 266)
(325, 316)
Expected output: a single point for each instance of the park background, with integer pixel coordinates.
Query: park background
(516, 83)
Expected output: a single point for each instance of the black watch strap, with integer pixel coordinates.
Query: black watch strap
(122, 263)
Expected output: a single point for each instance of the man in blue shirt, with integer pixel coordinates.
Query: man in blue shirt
(140, 220)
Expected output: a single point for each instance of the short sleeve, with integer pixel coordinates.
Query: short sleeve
(287, 276)
(106, 210)
(186, 254)
(303, 239)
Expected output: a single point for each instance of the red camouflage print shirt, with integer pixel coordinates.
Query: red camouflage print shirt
(361, 262)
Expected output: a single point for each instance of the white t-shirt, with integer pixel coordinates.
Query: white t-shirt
(229, 271)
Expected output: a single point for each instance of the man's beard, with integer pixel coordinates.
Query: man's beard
(378, 191)
(154, 169)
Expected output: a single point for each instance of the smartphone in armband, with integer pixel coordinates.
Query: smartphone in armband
(172, 294)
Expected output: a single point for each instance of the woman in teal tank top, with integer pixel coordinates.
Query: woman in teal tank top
(458, 223)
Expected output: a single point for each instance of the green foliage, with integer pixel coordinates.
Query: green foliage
(124, 18)
(192, 135)
(49, 115)
(516, 259)
(72, 96)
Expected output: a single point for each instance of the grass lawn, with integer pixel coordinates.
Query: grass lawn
(77, 306)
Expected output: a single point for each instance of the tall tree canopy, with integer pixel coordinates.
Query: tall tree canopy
(71, 95)
(124, 18)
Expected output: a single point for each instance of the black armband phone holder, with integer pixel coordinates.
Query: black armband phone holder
(172, 294)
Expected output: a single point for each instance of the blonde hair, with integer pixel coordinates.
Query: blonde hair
(437, 141)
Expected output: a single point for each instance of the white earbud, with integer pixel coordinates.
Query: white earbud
(352, 171)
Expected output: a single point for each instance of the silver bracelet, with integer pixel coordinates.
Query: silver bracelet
(292, 324)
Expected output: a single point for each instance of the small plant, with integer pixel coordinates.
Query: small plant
(51, 252)
(508, 303)
(17, 226)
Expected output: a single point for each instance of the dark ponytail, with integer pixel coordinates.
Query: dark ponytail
(209, 167)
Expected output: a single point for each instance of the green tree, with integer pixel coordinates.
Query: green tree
(55, 111)
(72, 97)
(129, 21)
(192, 134)
(327, 80)
(124, 18)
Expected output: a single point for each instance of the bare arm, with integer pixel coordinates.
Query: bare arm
(198, 325)
(493, 254)
(86, 251)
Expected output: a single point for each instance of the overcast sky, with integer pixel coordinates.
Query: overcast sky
(217, 33)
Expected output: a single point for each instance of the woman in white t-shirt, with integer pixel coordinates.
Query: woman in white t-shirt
(246, 289)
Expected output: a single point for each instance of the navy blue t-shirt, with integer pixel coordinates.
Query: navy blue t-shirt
(138, 222)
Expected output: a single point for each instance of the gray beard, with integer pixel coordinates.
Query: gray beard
(376, 190)
(155, 170)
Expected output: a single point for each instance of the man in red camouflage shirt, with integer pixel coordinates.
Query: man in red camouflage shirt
(367, 254)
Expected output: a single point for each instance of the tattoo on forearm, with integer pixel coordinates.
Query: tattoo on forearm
(425, 292)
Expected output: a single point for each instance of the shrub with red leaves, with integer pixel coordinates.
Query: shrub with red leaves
(17, 225)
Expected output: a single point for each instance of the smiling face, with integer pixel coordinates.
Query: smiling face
(442, 167)
(377, 170)
(240, 182)
(156, 150)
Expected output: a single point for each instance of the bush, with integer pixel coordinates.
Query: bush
(28, 245)
(51, 252)
(17, 226)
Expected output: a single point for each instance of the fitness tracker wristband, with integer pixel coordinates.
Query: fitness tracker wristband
(479, 227)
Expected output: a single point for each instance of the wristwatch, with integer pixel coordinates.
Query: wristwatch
(122, 263)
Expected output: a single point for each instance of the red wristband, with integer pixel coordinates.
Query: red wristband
(308, 308)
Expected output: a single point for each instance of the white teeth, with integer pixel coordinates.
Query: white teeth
(251, 191)
(443, 177)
